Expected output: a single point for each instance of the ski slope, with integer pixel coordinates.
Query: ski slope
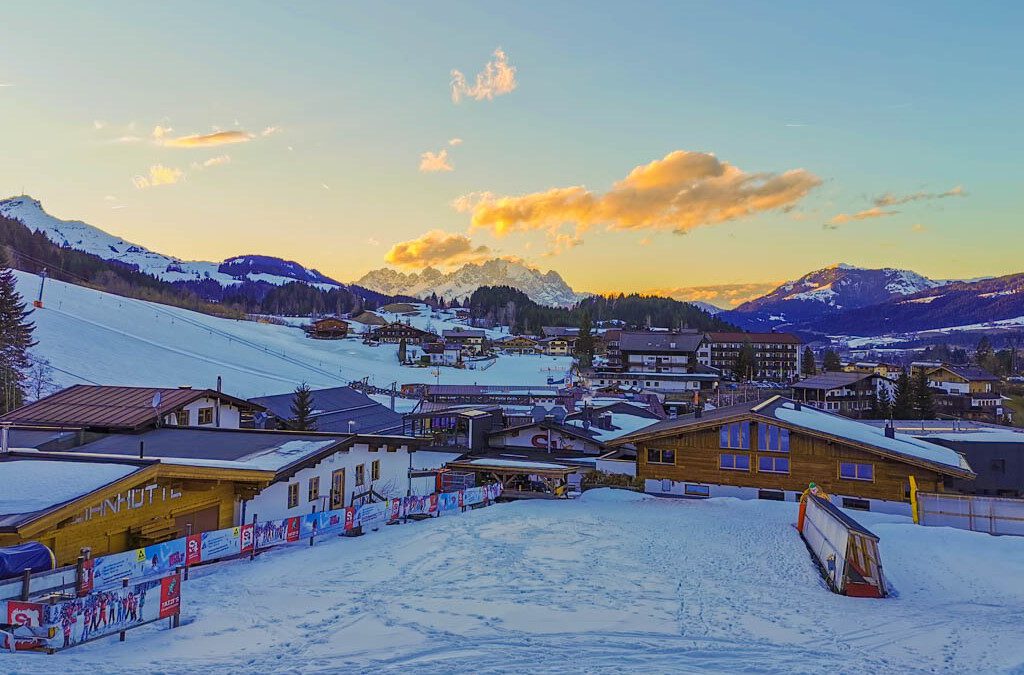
(93, 337)
(613, 582)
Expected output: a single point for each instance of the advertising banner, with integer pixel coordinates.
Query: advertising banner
(217, 544)
(110, 611)
(193, 549)
(151, 561)
(474, 495)
(372, 516)
(448, 502)
(395, 506)
(247, 537)
(18, 613)
(271, 533)
(325, 522)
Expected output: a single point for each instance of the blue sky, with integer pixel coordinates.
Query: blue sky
(338, 102)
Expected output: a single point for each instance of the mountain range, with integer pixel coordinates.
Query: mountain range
(87, 238)
(544, 288)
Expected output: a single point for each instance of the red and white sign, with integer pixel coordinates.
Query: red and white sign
(194, 549)
(28, 614)
(292, 533)
(247, 538)
(170, 595)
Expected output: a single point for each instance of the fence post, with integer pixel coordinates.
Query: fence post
(914, 509)
(79, 574)
(26, 583)
(311, 530)
(176, 619)
(252, 552)
(188, 533)
(124, 584)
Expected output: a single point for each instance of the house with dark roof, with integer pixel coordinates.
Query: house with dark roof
(338, 409)
(957, 379)
(102, 408)
(469, 340)
(967, 392)
(850, 394)
(776, 448)
(397, 331)
(664, 362)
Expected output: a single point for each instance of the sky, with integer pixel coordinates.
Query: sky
(703, 150)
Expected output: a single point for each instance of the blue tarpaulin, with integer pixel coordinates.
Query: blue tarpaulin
(14, 560)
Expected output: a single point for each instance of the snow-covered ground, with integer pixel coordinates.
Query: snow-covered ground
(613, 582)
(93, 337)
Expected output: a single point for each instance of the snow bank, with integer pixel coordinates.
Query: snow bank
(611, 495)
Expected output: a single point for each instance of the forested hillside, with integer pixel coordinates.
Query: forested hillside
(508, 306)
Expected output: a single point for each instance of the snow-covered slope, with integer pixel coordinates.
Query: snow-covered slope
(93, 337)
(90, 239)
(545, 288)
(832, 289)
(609, 583)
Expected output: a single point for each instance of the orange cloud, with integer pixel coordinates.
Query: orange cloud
(680, 192)
(722, 295)
(873, 212)
(158, 175)
(436, 247)
(498, 78)
(202, 140)
(889, 199)
(432, 162)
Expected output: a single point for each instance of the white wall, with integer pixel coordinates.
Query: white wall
(230, 415)
(678, 489)
(272, 502)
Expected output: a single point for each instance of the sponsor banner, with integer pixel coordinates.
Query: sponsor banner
(17, 613)
(151, 561)
(474, 495)
(193, 549)
(247, 537)
(448, 502)
(350, 518)
(110, 611)
(170, 596)
(88, 580)
(395, 506)
(417, 505)
(271, 533)
(217, 544)
(372, 516)
(325, 522)
(292, 529)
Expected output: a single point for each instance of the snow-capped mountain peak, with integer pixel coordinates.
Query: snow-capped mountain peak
(87, 238)
(545, 288)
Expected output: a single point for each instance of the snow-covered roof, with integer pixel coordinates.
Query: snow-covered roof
(515, 464)
(29, 485)
(814, 419)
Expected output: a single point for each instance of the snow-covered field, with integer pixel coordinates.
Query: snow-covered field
(613, 582)
(94, 337)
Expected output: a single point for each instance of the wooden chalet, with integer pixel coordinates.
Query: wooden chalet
(776, 448)
(328, 328)
(519, 344)
(397, 331)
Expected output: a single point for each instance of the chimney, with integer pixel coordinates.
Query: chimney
(5, 439)
(890, 431)
(796, 405)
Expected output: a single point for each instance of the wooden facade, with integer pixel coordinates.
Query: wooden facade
(329, 328)
(698, 459)
(397, 331)
(148, 506)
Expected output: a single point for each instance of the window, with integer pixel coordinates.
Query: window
(360, 474)
(735, 435)
(772, 438)
(769, 464)
(206, 416)
(735, 462)
(856, 504)
(338, 489)
(375, 470)
(772, 495)
(853, 471)
(182, 418)
(661, 456)
(314, 488)
(697, 490)
(293, 495)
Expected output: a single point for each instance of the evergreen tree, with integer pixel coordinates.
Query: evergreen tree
(302, 409)
(903, 403)
(585, 342)
(924, 402)
(884, 405)
(15, 341)
(745, 364)
(403, 352)
(831, 363)
(807, 365)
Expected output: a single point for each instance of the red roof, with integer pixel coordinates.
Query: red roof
(84, 405)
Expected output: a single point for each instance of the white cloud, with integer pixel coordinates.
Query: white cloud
(432, 162)
(158, 175)
(497, 78)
